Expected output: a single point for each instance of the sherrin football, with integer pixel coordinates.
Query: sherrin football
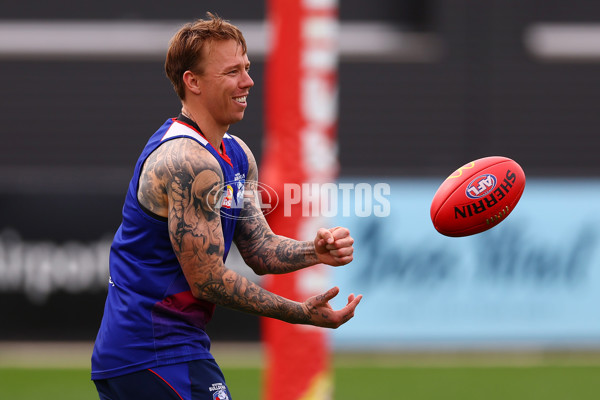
(477, 196)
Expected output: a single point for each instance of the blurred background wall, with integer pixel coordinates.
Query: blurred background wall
(425, 86)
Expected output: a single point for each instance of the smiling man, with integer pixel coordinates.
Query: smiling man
(184, 208)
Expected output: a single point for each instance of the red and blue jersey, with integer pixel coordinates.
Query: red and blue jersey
(150, 316)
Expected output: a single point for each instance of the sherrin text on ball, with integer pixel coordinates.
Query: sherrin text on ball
(477, 196)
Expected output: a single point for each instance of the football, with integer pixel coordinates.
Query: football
(477, 196)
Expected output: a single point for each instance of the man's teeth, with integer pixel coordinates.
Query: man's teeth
(240, 99)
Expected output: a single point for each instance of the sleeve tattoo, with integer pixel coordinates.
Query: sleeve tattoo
(192, 181)
(262, 250)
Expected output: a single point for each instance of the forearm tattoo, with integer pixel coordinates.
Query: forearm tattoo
(183, 178)
(264, 251)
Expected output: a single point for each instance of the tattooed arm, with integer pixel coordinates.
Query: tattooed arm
(267, 253)
(181, 180)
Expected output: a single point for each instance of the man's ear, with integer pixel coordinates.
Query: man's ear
(191, 82)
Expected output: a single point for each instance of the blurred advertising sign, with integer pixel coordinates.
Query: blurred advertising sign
(532, 281)
(39, 269)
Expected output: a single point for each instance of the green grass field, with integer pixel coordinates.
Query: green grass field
(547, 382)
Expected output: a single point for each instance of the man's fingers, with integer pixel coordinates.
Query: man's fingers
(326, 235)
(356, 300)
(340, 261)
(351, 307)
(334, 234)
(339, 232)
(339, 243)
(322, 313)
(343, 252)
(330, 294)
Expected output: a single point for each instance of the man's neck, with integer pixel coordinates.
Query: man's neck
(214, 136)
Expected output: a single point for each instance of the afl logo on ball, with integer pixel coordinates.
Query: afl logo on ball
(481, 186)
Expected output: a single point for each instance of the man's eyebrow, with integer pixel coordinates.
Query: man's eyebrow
(237, 65)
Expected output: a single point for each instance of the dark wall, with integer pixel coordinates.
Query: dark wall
(410, 12)
(486, 95)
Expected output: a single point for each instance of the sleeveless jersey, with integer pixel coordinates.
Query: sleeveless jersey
(150, 316)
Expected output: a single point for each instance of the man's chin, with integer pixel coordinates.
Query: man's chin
(237, 118)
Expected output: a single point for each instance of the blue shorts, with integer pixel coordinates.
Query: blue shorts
(198, 380)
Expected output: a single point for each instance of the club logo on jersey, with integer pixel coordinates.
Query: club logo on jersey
(240, 180)
(219, 391)
(220, 395)
(481, 186)
(252, 197)
(227, 197)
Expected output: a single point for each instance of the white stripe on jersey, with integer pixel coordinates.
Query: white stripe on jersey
(179, 129)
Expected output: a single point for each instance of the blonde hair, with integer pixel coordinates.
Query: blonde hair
(185, 48)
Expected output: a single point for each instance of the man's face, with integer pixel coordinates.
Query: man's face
(225, 82)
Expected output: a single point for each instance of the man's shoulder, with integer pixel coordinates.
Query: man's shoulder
(252, 165)
(185, 152)
(242, 144)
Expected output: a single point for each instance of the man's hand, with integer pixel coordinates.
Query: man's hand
(323, 315)
(334, 246)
